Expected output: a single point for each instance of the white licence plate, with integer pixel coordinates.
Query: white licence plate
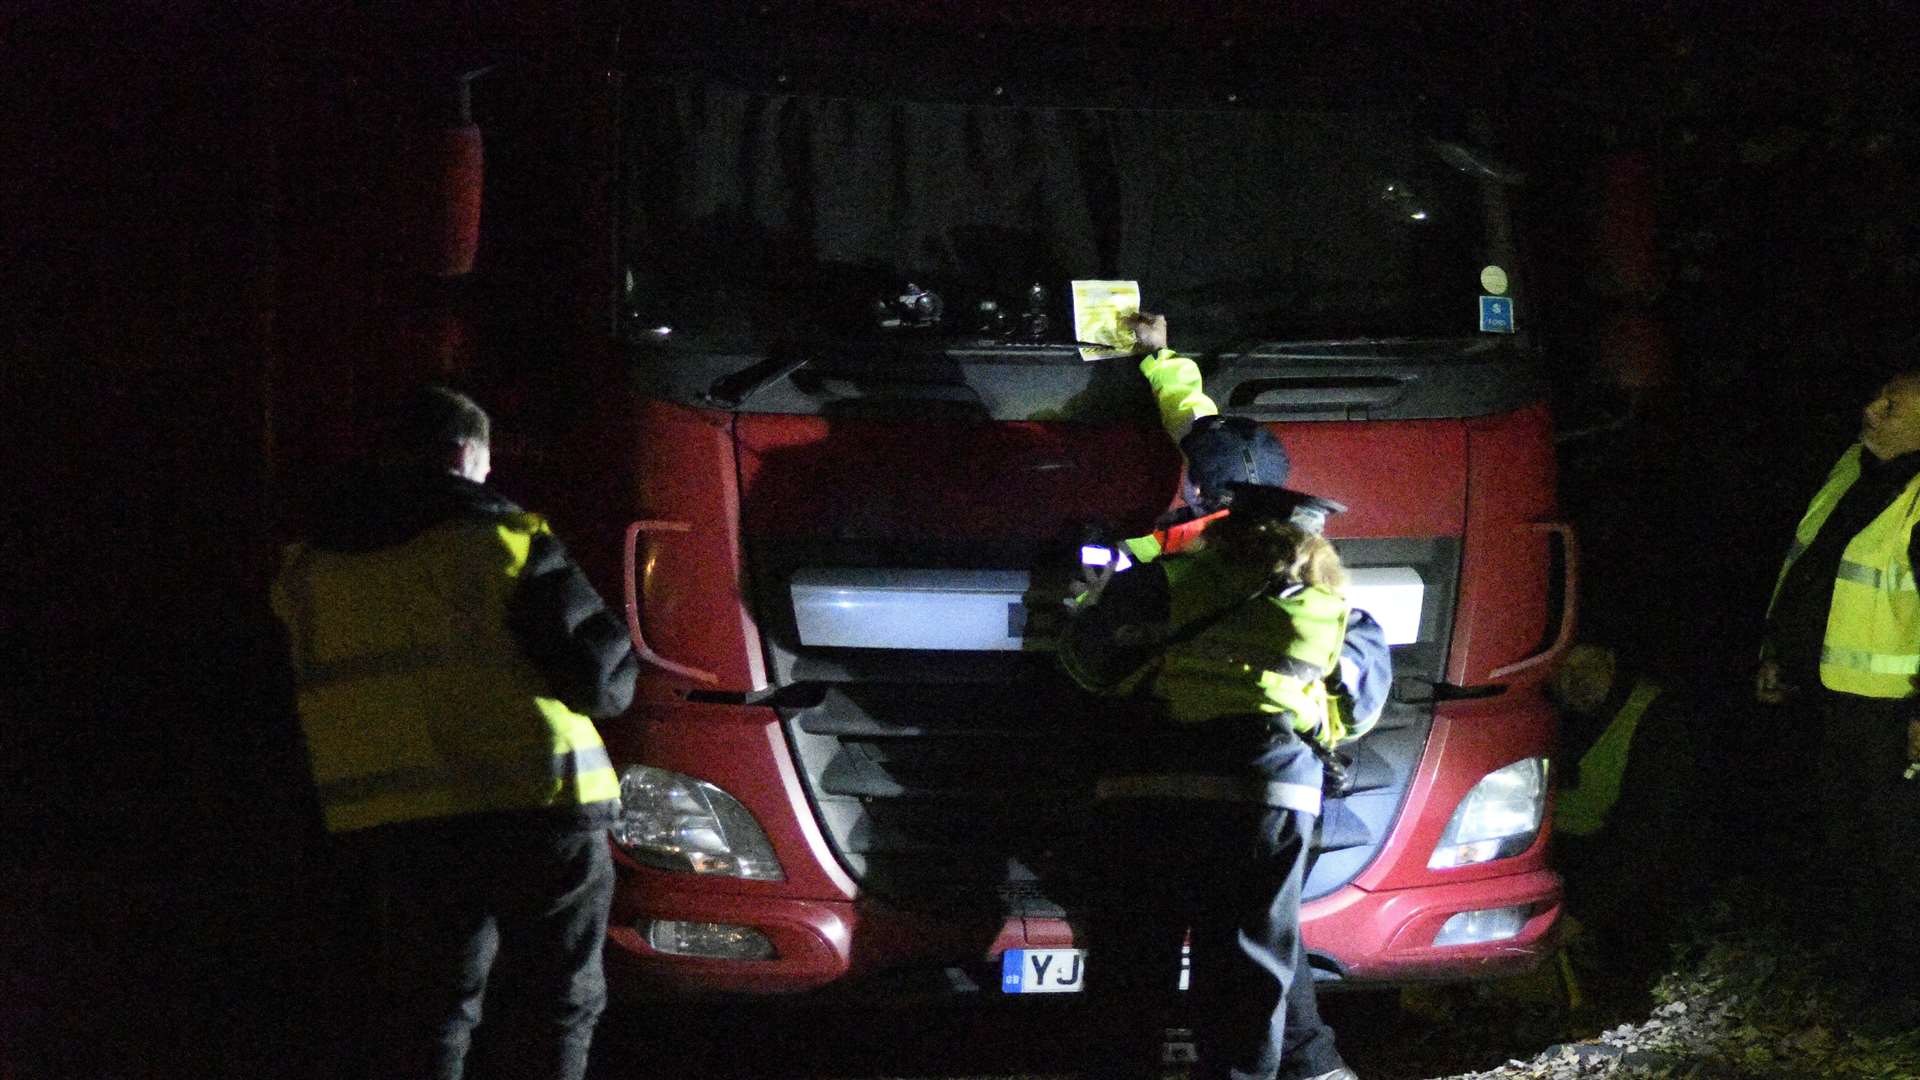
(1043, 971)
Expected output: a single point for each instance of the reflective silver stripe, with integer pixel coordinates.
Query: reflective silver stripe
(1858, 574)
(1900, 580)
(1248, 789)
(1875, 663)
(413, 780)
(1903, 580)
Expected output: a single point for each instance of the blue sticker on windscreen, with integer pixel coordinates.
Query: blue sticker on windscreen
(1496, 314)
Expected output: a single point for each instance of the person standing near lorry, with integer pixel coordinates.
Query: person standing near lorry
(1843, 643)
(1212, 810)
(1218, 453)
(448, 656)
(1627, 815)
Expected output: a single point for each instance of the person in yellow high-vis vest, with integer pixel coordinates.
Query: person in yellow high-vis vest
(1219, 454)
(1209, 812)
(1628, 813)
(1843, 643)
(449, 659)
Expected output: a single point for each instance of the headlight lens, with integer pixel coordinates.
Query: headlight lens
(1487, 924)
(722, 941)
(676, 822)
(1499, 818)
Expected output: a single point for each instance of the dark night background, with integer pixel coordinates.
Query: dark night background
(161, 200)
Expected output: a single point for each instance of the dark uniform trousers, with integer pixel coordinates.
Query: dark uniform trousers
(1870, 818)
(1227, 875)
(466, 911)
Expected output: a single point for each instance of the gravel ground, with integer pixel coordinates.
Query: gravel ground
(1759, 989)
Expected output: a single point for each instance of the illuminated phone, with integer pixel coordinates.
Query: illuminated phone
(1101, 555)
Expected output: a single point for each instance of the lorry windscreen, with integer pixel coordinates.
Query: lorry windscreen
(756, 215)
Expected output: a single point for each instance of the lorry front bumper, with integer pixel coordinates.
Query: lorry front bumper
(1388, 937)
(814, 944)
(1355, 935)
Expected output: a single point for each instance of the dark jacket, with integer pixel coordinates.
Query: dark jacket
(556, 615)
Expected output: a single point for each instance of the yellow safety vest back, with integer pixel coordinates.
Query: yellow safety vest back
(1270, 656)
(1872, 644)
(415, 698)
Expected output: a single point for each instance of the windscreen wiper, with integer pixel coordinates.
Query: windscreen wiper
(1345, 347)
(732, 390)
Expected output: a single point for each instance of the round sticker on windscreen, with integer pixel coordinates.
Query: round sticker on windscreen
(1494, 280)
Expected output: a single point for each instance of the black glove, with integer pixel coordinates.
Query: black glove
(1336, 776)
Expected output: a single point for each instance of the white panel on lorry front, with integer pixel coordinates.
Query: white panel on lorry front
(969, 610)
(1392, 595)
(984, 610)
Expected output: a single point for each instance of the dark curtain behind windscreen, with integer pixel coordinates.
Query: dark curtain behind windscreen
(768, 214)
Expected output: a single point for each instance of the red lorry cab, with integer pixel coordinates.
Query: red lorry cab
(853, 451)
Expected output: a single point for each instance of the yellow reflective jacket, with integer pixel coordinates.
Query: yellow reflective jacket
(416, 699)
(1872, 644)
(1270, 655)
(1177, 393)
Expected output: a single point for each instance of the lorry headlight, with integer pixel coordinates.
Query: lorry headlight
(1498, 818)
(719, 941)
(675, 822)
(1487, 924)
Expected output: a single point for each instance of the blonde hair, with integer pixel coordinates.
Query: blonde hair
(1286, 550)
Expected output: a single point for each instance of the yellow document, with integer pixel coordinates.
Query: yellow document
(1100, 309)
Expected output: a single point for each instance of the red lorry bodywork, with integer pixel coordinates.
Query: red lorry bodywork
(674, 505)
(1487, 482)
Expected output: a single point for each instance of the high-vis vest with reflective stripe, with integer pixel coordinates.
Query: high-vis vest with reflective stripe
(415, 698)
(1582, 810)
(1872, 645)
(1176, 384)
(1269, 656)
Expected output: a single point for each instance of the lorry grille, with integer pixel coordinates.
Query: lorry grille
(975, 798)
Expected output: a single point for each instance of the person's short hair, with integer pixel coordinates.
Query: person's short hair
(1226, 450)
(1585, 678)
(430, 421)
(1286, 550)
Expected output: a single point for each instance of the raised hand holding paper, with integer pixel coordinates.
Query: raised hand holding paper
(1100, 310)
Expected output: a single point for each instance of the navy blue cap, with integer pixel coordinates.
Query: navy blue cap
(1225, 450)
(1310, 512)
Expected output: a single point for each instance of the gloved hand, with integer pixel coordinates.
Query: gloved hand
(1330, 731)
(1149, 330)
(1336, 775)
(1334, 778)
